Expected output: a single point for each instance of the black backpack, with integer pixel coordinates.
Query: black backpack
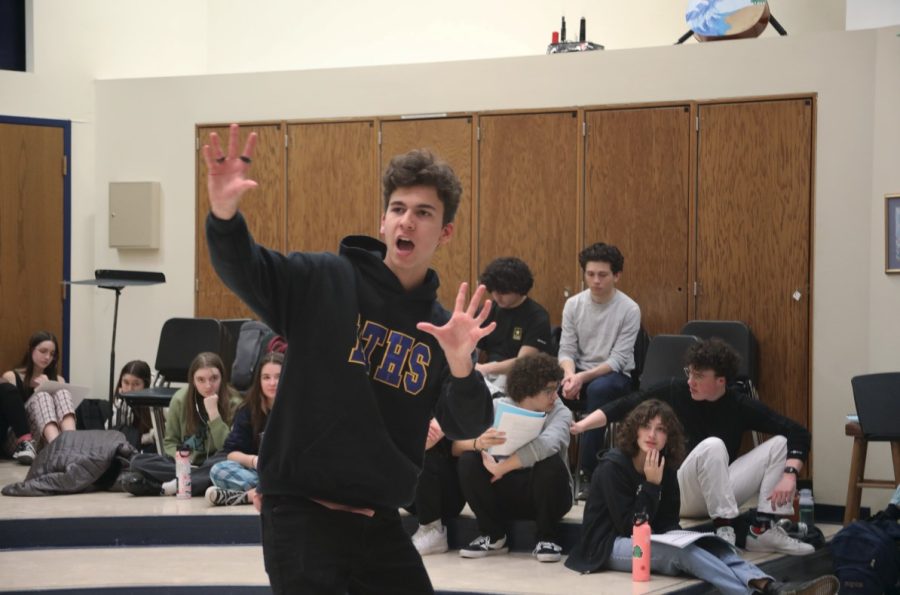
(252, 341)
(865, 556)
(92, 414)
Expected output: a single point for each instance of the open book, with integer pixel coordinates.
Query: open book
(79, 393)
(521, 427)
(680, 538)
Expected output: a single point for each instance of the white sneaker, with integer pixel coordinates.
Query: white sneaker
(726, 532)
(430, 539)
(775, 539)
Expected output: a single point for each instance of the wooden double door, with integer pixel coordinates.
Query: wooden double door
(710, 202)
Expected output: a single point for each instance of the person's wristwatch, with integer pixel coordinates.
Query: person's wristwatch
(793, 470)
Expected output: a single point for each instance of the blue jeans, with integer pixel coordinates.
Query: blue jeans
(709, 559)
(231, 475)
(599, 392)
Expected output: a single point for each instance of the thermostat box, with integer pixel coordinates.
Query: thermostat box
(134, 215)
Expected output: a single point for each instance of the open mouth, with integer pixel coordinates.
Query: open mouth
(404, 245)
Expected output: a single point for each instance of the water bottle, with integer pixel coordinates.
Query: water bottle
(640, 548)
(183, 471)
(806, 507)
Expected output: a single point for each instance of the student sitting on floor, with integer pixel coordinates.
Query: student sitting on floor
(134, 422)
(438, 495)
(234, 481)
(199, 417)
(639, 478)
(534, 482)
(49, 412)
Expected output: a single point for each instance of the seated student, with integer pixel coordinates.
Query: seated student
(438, 495)
(133, 422)
(49, 413)
(523, 325)
(713, 480)
(199, 417)
(532, 483)
(596, 347)
(639, 477)
(234, 481)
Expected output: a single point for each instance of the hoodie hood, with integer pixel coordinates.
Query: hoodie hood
(368, 256)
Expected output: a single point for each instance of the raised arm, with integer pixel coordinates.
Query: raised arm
(226, 176)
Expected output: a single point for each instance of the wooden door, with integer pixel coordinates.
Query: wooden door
(332, 186)
(637, 197)
(451, 140)
(528, 200)
(32, 175)
(263, 208)
(754, 192)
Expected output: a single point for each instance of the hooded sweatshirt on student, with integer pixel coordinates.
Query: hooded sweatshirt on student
(359, 382)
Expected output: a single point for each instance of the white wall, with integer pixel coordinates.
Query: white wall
(143, 130)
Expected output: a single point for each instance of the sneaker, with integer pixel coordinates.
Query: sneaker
(25, 452)
(138, 484)
(547, 551)
(430, 539)
(222, 497)
(776, 539)
(726, 533)
(824, 585)
(483, 546)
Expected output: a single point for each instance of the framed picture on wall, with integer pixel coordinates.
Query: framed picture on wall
(892, 233)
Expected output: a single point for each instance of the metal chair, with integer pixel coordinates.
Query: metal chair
(180, 340)
(877, 398)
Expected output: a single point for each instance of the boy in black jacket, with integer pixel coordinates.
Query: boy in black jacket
(371, 357)
(714, 480)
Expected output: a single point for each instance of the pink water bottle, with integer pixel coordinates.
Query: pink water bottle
(640, 548)
(183, 471)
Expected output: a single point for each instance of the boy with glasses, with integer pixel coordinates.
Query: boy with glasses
(713, 479)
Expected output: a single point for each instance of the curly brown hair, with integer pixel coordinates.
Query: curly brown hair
(643, 414)
(421, 168)
(716, 355)
(530, 374)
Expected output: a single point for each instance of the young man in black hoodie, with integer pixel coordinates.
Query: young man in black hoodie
(371, 358)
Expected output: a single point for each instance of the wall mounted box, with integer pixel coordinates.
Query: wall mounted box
(134, 215)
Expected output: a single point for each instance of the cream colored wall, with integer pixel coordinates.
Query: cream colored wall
(145, 128)
(142, 130)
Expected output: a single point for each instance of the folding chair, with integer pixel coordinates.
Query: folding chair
(180, 340)
(665, 359)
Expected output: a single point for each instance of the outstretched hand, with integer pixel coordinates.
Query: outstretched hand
(227, 172)
(462, 332)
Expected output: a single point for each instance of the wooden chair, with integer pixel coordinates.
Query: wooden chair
(877, 398)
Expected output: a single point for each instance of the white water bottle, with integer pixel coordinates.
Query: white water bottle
(183, 471)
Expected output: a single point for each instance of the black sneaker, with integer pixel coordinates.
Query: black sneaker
(547, 551)
(138, 484)
(222, 497)
(25, 452)
(483, 546)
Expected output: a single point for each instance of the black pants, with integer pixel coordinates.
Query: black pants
(12, 412)
(541, 493)
(162, 469)
(308, 548)
(438, 495)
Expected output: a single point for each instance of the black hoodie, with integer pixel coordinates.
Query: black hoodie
(617, 493)
(359, 382)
